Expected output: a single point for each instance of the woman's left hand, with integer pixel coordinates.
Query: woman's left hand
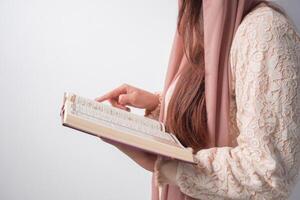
(143, 158)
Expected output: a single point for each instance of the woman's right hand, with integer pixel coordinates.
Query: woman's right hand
(127, 95)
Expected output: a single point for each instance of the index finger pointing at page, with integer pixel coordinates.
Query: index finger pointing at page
(115, 93)
(103, 97)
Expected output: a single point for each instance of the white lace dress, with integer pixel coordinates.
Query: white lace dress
(264, 157)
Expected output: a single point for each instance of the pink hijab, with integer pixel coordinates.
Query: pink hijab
(221, 20)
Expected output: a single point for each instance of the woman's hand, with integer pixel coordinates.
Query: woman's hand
(143, 158)
(127, 95)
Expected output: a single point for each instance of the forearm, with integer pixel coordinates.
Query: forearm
(142, 158)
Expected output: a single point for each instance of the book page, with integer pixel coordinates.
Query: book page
(119, 119)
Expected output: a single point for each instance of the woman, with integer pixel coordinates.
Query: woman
(232, 95)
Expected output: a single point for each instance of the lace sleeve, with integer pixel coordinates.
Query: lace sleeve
(154, 114)
(266, 160)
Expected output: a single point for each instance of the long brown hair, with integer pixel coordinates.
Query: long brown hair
(186, 116)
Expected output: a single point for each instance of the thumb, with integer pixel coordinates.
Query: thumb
(124, 99)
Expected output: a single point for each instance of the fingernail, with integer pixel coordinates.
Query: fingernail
(98, 99)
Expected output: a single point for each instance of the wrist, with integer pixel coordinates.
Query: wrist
(153, 112)
(155, 101)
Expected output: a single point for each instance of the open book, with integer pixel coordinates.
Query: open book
(106, 121)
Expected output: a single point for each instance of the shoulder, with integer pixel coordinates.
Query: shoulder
(263, 17)
(265, 25)
(263, 33)
(265, 41)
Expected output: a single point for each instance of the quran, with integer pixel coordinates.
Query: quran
(102, 120)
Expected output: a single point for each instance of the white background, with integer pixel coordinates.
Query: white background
(87, 47)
